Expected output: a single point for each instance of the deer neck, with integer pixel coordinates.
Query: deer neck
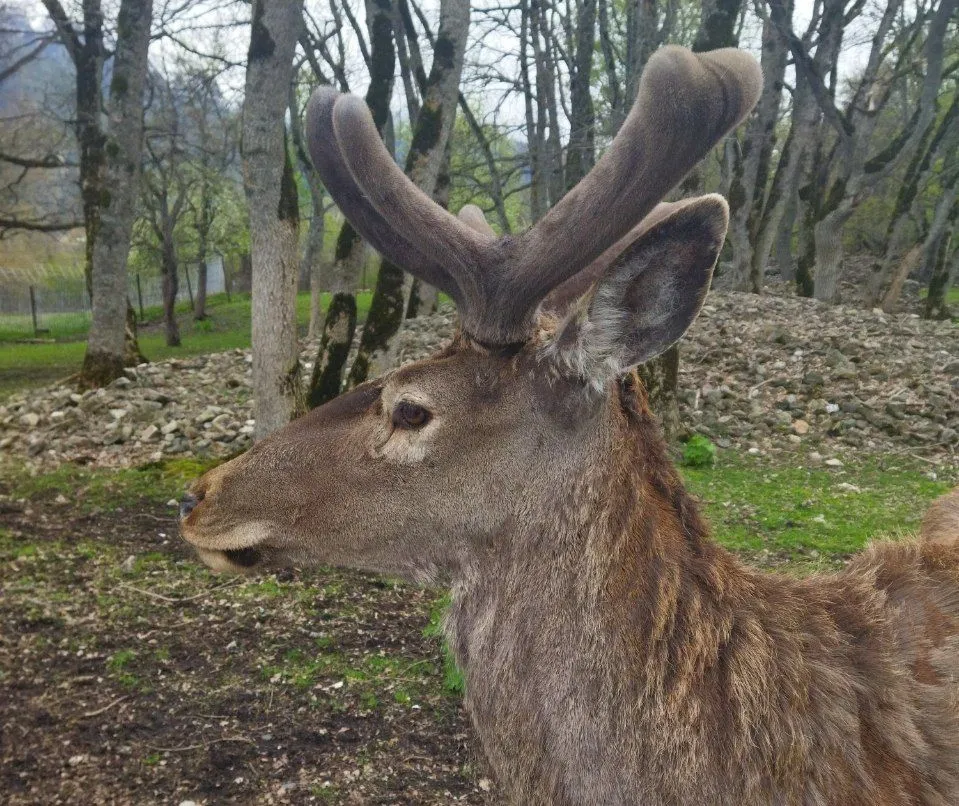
(596, 612)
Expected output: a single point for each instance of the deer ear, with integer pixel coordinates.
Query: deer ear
(649, 295)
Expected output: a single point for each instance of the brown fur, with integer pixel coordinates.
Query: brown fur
(672, 674)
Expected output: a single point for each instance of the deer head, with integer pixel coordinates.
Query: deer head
(416, 472)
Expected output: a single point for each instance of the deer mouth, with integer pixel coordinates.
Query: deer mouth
(238, 549)
(232, 561)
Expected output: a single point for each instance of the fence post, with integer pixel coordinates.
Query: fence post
(33, 312)
(189, 288)
(140, 297)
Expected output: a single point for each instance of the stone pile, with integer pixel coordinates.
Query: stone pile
(760, 374)
(760, 371)
(198, 406)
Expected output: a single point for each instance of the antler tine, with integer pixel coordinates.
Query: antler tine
(686, 103)
(352, 200)
(465, 252)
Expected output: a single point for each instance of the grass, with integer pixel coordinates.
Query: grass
(91, 490)
(811, 517)
(952, 295)
(26, 364)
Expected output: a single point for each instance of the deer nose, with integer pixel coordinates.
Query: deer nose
(188, 503)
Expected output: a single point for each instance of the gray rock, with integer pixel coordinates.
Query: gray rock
(150, 434)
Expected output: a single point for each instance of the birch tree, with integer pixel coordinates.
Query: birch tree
(274, 212)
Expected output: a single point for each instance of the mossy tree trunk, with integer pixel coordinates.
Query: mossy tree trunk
(204, 222)
(171, 286)
(339, 325)
(423, 163)
(106, 345)
(937, 264)
(274, 213)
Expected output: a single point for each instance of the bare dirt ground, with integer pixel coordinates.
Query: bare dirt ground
(130, 675)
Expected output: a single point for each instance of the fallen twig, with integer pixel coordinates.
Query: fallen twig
(174, 600)
(105, 708)
(203, 745)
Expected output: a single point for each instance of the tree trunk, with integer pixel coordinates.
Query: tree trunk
(785, 259)
(88, 55)
(339, 326)
(204, 224)
(906, 266)
(717, 25)
(944, 274)
(171, 286)
(547, 110)
(935, 253)
(423, 163)
(90, 137)
(829, 253)
(106, 349)
(748, 188)
(274, 215)
(538, 196)
(660, 377)
(581, 153)
(199, 307)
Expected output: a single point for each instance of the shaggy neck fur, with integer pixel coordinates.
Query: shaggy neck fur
(616, 655)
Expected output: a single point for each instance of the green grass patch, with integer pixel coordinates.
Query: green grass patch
(811, 514)
(453, 680)
(119, 664)
(952, 295)
(90, 489)
(699, 451)
(366, 676)
(27, 364)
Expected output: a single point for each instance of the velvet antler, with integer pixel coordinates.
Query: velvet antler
(686, 103)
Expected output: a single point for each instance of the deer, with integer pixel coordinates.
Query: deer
(613, 653)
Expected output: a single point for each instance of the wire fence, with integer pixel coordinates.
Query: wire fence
(60, 307)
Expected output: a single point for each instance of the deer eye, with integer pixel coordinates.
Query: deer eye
(410, 416)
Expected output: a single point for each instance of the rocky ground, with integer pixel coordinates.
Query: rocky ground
(770, 373)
